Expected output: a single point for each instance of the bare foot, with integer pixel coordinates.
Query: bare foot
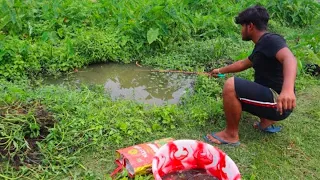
(223, 135)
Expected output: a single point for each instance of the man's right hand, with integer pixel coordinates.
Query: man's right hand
(214, 73)
(232, 68)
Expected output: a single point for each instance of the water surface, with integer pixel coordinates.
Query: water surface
(129, 81)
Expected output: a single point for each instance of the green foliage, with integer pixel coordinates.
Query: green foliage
(14, 58)
(308, 45)
(152, 35)
(101, 46)
(295, 12)
(58, 36)
(201, 55)
(34, 18)
(166, 118)
(204, 103)
(187, 55)
(59, 57)
(21, 58)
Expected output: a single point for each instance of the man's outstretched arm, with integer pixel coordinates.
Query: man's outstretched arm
(235, 67)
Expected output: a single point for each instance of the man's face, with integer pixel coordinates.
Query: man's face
(245, 32)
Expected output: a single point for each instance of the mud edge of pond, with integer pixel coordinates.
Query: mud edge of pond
(21, 117)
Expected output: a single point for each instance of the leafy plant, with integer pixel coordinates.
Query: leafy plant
(295, 12)
(101, 46)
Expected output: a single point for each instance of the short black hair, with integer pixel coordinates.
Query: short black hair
(256, 15)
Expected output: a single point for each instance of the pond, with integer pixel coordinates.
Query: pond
(130, 81)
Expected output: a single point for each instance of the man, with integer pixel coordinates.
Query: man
(271, 96)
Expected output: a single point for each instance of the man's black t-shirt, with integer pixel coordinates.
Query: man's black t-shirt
(268, 70)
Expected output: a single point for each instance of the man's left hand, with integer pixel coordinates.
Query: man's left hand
(286, 101)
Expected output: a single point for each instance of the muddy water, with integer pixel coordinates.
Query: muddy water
(194, 174)
(129, 81)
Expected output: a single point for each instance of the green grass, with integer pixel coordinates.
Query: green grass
(291, 154)
(90, 127)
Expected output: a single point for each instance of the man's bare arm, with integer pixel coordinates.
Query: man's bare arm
(287, 98)
(235, 67)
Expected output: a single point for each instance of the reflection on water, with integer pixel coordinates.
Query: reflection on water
(131, 82)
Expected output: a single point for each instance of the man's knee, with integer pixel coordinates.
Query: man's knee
(228, 88)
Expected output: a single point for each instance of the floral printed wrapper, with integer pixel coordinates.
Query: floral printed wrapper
(137, 159)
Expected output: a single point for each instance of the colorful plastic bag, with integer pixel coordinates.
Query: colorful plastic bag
(137, 159)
